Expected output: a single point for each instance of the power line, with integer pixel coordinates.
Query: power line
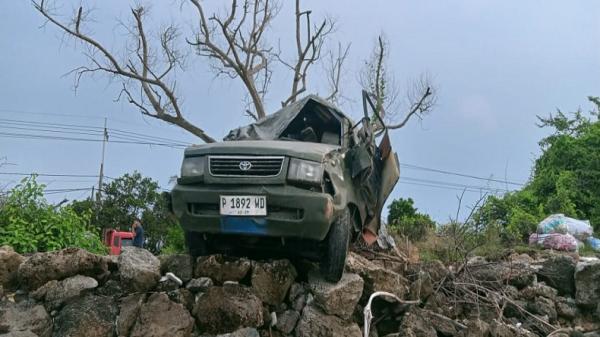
(55, 127)
(440, 187)
(456, 185)
(417, 167)
(49, 174)
(76, 139)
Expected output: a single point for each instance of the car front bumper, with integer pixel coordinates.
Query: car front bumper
(292, 212)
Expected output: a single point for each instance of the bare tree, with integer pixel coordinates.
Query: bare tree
(308, 50)
(146, 71)
(334, 71)
(381, 85)
(235, 43)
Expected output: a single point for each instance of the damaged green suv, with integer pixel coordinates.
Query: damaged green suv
(303, 182)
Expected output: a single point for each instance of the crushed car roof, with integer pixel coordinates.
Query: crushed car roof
(271, 126)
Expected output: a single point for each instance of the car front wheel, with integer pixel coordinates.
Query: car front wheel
(338, 239)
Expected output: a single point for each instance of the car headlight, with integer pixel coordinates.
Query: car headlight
(305, 171)
(193, 167)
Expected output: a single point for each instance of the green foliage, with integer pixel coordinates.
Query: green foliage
(133, 196)
(175, 241)
(29, 224)
(404, 219)
(565, 178)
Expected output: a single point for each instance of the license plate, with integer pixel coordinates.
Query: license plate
(243, 205)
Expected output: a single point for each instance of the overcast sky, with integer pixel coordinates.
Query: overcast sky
(497, 64)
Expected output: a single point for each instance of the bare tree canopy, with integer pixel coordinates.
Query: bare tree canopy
(145, 69)
(380, 83)
(235, 44)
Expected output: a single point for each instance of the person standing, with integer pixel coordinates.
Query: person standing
(138, 233)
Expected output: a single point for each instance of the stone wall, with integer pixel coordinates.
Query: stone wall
(75, 293)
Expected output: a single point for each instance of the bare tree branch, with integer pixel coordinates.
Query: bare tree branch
(307, 53)
(421, 98)
(334, 71)
(235, 43)
(380, 83)
(139, 69)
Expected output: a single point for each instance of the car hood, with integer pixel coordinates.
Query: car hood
(296, 149)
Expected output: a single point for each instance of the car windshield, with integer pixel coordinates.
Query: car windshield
(127, 242)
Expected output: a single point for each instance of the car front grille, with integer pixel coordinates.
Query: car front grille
(245, 166)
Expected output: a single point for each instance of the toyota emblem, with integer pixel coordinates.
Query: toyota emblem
(245, 165)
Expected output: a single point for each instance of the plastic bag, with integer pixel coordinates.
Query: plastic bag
(559, 223)
(562, 242)
(594, 243)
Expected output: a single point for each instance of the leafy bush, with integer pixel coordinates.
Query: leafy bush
(175, 241)
(404, 219)
(29, 224)
(134, 196)
(565, 179)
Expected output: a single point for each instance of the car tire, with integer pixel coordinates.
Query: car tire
(337, 242)
(196, 244)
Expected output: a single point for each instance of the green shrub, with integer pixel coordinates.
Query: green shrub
(404, 219)
(175, 241)
(30, 224)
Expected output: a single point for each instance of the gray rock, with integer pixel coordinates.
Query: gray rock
(111, 288)
(162, 317)
(286, 321)
(315, 323)
(515, 273)
(272, 280)
(544, 307)
(197, 285)
(499, 329)
(226, 309)
(297, 297)
(220, 268)
(477, 328)
(9, 264)
(57, 265)
(245, 332)
(56, 293)
(558, 271)
(139, 270)
(587, 286)
(87, 316)
(17, 319)
(415, 324)
(24, 333)
(166, 285)
(181, 265)
(424, 276)
(183, 297)
(443, 325)
(376, 278)
(566, 307)
(538, 289)
(339, 298)
(129, 309)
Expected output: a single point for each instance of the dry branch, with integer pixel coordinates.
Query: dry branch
(308, 52)
(235, 42)
(138, 70)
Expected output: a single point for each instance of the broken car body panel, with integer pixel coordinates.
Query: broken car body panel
(310, 134)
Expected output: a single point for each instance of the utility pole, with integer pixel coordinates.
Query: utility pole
(101, 176)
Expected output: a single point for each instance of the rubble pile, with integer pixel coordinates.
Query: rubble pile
(75, 293)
